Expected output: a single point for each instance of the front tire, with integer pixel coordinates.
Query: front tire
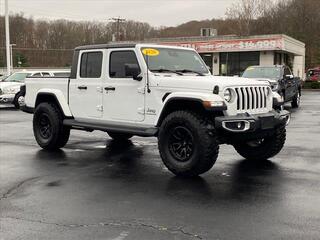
(187, 144)
(16, 100)
(296, 100)
(263, 149)
(48, 127)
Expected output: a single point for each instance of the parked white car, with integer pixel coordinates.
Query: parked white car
(162, 91)
(10, 86)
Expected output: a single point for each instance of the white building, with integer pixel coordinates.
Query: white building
(231, 55)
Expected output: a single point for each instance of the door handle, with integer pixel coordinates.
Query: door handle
(82, 87)
(110, 88)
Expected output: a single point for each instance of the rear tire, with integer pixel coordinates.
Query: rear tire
(265, 148)
(48, 127)
(187, 144)
(296, 100)
(120, 136)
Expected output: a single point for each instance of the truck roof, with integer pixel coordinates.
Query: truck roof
(107, 45)
(126, 45)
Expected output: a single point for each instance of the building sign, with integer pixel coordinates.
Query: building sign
(232, 45)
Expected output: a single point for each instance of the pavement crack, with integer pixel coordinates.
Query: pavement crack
(134, 224)
(13, 190)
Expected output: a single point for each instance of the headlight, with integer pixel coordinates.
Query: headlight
(10, 90)
(227, 95)
(275, 86)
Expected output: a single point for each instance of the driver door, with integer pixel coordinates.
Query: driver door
(289, 83)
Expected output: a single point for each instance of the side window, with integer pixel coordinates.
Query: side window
(36, 75)
(45, 74)
(90, 66)
(120, 61)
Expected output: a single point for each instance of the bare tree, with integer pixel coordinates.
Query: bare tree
(245, 13)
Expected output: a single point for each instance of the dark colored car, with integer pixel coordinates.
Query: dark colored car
(281, 80)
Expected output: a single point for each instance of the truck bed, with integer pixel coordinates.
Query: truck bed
(34, 85)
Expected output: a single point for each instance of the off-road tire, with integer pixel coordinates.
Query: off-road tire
(296, 100)
(58, 135)
(119, 136)
(15, 101)
(269, 147)
(205, 145)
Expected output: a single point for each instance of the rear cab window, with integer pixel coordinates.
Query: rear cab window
(91, 64)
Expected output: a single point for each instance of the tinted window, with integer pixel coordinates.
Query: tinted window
(37, 75)
(118, 62)
(91, 63)
(235, 63)
(45, 74)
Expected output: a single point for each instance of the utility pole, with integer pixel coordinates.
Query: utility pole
(117, 21)
(11, 54)
(7, 36)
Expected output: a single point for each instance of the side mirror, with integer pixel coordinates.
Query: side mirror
(133, 70)
(288, 77)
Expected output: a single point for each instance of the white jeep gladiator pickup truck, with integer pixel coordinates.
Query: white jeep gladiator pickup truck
(153, 90)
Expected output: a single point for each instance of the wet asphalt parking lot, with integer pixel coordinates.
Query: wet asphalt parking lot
(95, 188)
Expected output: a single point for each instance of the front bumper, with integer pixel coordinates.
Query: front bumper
(251, 123)
(7, 98)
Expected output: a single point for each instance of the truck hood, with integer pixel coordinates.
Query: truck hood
(207, 82)
(4, 85)
(270, 80)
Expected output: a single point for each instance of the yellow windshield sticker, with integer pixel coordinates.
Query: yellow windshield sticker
(150, 52)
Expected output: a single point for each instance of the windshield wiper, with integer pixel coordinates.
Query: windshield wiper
(161, 70)
(190, 71)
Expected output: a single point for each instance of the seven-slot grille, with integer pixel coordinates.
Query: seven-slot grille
(251, 98)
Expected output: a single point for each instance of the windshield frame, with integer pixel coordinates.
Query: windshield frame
(171, 70)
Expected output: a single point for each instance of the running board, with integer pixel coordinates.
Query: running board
(143, 132)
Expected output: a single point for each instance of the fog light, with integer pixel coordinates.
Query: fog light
(236, 126)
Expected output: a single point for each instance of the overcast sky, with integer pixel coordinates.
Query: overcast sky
(155, 12)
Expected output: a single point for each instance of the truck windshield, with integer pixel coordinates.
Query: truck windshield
(174, 60)
(16, 77)
(262, 72)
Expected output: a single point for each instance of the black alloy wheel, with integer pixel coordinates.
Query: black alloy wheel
(181, 144)
(45, 127)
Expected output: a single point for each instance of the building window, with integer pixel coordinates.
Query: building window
(207, 58)
(235, 63)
